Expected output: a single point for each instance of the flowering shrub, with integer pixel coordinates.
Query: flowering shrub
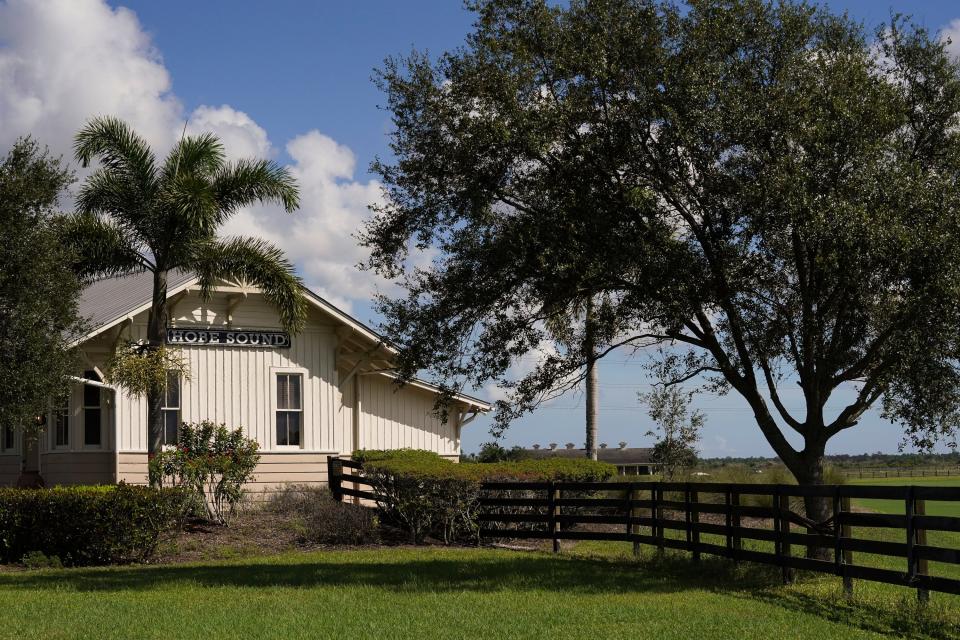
(211, 461)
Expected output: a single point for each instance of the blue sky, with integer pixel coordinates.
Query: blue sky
(291, 80)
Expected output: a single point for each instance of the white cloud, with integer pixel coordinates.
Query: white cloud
(319, 237)
(952, 32)
(241, 136)
(63, 62)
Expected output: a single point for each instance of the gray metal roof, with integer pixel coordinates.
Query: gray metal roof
(106, 301)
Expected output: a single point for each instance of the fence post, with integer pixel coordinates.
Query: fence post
(554, 512)
(735, 518)
(657, 530)
(633, 513)
(783, 505)
(915, 536)
(728, 519)
(693, 519)
(846, 532)
(334, 471)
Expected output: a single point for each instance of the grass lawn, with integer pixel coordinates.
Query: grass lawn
(445, 593)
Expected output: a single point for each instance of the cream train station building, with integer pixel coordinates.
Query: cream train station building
(325, 391)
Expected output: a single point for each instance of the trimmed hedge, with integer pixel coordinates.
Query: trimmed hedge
(425, 493)
(429, 464)
(87, 525)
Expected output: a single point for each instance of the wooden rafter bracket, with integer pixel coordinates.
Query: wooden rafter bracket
(233, 301)
(172, 306)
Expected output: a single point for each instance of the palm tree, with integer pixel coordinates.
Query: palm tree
(134, 215)
(560, 325)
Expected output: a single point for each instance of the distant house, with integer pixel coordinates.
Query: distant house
(324, 392)
(628, 460)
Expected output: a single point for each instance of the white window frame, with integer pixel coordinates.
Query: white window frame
(14, 448)
(179, 408)
(83, 412)
(272, 435)
(56, 410)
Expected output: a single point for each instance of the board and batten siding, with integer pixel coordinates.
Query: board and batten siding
(236, 386)
(393, 417)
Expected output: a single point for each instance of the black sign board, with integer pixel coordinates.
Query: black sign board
(217, 337)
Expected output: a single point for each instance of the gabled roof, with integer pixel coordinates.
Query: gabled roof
(108, 302)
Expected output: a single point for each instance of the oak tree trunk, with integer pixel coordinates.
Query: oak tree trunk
(156, 336)
(808, 470)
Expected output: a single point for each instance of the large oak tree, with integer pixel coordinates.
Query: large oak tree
(766, 191)
(38, 291)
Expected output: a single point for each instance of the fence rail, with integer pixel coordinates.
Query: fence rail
(876, 473)
(644, 513)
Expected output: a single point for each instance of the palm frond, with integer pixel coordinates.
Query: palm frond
(247, 181)
(100, 248)
(106, 193)
(197, 155)
(190, 205)
(255, 262)
(117, 146)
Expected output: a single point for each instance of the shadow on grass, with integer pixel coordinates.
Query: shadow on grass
(900, 617)
(480, 571)
(450, 570)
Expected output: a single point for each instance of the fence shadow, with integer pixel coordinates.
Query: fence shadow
(482, 571)
(485, 572)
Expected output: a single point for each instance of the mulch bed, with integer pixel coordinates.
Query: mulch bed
(250, 533)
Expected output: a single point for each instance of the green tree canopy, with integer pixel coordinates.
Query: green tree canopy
(765, 191)
(136, 214)
(38, 291)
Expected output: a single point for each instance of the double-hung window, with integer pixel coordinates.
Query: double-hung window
(289, 409)
(92, 412)
(171, 408)
(61, 422)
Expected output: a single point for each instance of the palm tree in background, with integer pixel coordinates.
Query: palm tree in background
(135, 215)
(562, 325)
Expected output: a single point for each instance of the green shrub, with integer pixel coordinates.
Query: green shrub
(86, 525)
(40, 560)
(430, 464)
(426, 493)
(320, 519)
(210, 461)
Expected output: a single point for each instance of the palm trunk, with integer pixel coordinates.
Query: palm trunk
(156, 336)
(591, 383)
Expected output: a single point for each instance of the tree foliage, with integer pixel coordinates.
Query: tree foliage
(677, 429)
(765, 190)
(38, 292)
(137, 370)
(137, 214)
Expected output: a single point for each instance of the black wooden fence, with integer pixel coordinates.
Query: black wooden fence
(716, 519)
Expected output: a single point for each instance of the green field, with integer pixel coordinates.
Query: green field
(897, 506)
